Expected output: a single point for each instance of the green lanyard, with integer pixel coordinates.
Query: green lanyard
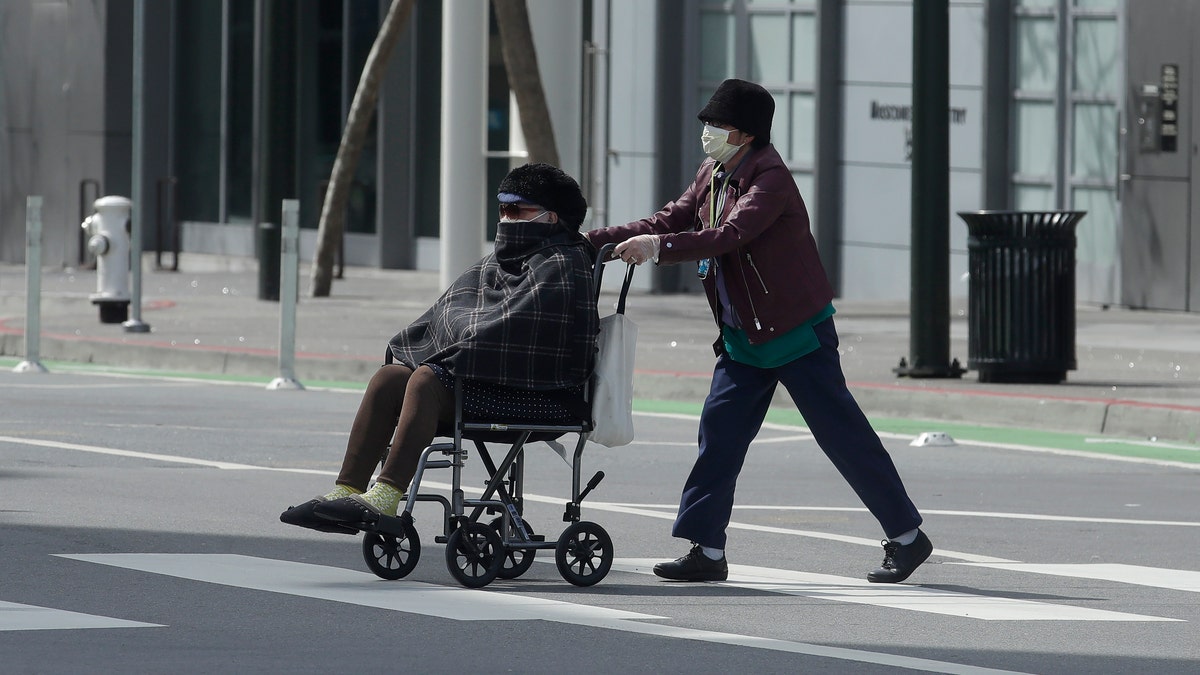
(715, 206)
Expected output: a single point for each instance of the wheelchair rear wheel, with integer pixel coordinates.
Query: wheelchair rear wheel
(517, 561)
(391, 557)
(584, 553)
(474, 555)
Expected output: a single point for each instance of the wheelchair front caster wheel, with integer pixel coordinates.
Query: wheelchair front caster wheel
(517, 561)
(584, 553)
(474, 555)
(391, 557)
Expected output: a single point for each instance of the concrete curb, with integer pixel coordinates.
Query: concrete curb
(1121, 418)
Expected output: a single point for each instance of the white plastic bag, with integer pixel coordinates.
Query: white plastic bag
(612, 395)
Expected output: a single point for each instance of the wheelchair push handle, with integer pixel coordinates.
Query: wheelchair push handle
(598, 275)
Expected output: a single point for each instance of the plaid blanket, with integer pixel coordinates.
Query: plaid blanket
(523, 316)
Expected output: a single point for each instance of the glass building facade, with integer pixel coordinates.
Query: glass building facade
(254, 97)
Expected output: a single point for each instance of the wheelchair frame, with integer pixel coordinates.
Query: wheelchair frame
(478, 553)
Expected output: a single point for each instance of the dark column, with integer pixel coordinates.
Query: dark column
(997, 99)
(274, 129)
(398, 145)
(671, 76)
(827, 217)
(929, 306)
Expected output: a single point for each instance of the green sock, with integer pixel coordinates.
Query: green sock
(340, 491)
(384, 497)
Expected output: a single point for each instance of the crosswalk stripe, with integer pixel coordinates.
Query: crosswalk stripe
(358, 588)
(898, 596)
(15, 616)
(342, 585)
(1157, 577)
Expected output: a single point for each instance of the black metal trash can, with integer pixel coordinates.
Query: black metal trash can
(1021, 295)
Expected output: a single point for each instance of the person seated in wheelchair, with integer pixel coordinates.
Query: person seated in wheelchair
(518, 329)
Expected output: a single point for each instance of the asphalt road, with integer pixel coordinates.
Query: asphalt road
(139, 532)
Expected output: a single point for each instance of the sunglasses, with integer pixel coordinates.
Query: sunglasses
(509, 210)
(513, 210)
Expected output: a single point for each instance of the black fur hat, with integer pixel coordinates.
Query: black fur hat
(745, 105)
(547, 186)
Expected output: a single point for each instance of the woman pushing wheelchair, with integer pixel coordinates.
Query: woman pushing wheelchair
(517, 329)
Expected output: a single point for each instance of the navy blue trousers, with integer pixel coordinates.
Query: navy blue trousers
(733, 414)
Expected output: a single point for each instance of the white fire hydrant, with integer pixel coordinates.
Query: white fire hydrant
(108, 240)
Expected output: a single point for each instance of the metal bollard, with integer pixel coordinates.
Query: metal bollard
(289, 274)
(33, 288)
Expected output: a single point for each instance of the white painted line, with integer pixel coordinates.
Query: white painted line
(898, 596)
(100, 371)
(1157, 577)
(359, 588)
(774, 426)
(940, 512)
(1081, 454)
(648, 511)
(170, 459)
(95, 449)
(981, 444)
(30, 617)
(757, 441)
(767, 529)
(1144, 444)
(434, 485)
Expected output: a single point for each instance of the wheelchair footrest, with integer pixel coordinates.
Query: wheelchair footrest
(391, 525)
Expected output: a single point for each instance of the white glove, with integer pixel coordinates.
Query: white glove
(639, 249)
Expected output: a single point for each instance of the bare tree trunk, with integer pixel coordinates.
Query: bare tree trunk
(520, 63)
(358, 121)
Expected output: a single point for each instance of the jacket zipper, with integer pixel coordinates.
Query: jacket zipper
(753, 310)
(756, 273)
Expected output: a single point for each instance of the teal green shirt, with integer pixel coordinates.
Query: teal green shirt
(773, 353)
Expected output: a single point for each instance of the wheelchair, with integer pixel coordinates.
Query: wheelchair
(478, 552)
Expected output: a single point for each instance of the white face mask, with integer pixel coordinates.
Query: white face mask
(716, 143)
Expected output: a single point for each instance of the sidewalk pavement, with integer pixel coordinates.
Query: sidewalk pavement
(1138, 372)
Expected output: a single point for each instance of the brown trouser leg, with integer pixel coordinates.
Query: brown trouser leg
(401, 405)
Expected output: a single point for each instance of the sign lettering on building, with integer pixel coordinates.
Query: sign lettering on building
(1169, 110)
(902, 112)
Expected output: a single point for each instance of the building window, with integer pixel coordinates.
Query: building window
(214, 84)
(775, 45)
(198, 110)
(1066, 98)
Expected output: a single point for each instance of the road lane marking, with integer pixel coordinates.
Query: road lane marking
(359, 588)
(648, 510)
(768, 529)
(634, 509)
(898, 596)
(757, 441)
(1156, 577)
(15, 616)
(356, 388)
(156, 457)
(941, 512)
(434, 485)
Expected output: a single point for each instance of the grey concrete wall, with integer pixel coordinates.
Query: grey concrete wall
(876, 170)
(51, 118)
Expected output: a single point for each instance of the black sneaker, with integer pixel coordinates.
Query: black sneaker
(352, 512)
(695, 566)
(304, 516)
(901, 561)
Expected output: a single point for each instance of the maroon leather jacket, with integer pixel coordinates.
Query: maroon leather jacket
(761, 240)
